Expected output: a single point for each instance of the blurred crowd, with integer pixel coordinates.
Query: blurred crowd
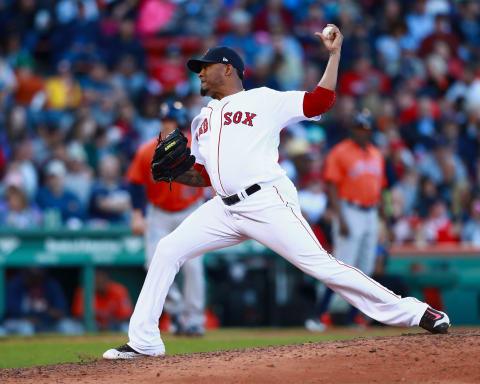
(35, 302)
(81, 82)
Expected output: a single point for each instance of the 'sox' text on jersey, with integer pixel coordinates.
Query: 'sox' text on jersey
(239, 117)
(250, 120)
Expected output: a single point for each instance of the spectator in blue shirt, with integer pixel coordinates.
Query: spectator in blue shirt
(36, 303)
(16, 210)
(54, 197)
(110, 199)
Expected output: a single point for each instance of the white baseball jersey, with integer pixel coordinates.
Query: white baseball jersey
(237, 138)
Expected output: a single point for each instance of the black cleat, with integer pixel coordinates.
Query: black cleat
(435, 321)
(122, 352)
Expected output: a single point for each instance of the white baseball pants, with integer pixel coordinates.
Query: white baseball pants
(272, 217)
(190, 305)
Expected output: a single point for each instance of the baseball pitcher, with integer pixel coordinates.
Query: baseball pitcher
(234, 149)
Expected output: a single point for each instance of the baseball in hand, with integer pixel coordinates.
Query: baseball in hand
(328, 32)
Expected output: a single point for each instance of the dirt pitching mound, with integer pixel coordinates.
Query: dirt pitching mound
(410, 358)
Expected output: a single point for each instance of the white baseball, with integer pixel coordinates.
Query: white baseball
(328, 32)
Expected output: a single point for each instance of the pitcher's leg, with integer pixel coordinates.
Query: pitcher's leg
(143, 330)
(284, 230)
(159, 225)
(194, 292)
(174, 304)
(207, 229)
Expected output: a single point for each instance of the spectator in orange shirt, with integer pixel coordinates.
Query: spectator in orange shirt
(29, 84)
(355, 172)
(112, 304)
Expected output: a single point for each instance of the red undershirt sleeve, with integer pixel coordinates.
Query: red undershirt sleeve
(317, 102)
(203, 172)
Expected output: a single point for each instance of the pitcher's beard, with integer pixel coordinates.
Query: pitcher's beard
(203, 91)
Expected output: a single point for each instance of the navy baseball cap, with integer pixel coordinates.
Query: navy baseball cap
(221, 55)
(363, 119)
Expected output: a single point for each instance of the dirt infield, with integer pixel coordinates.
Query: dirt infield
(410, 358)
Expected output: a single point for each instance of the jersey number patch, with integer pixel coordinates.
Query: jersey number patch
(237, 117)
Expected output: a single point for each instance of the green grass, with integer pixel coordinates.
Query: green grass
(50, 349)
